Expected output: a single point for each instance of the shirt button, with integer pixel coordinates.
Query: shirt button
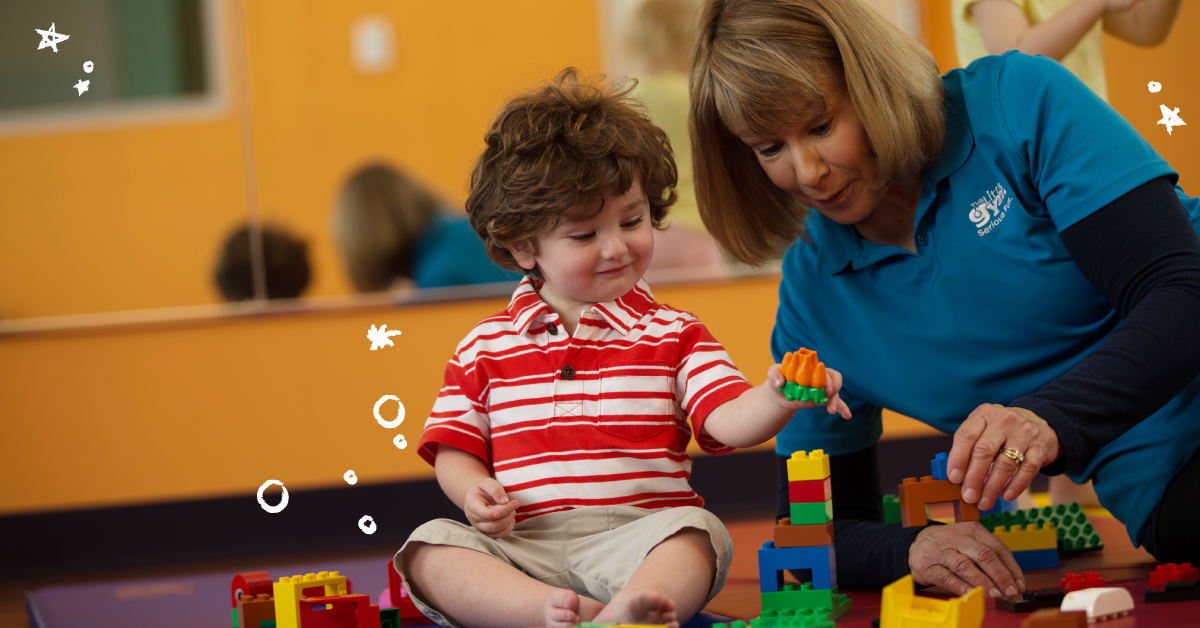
(552, 328)
(922, 239)
(568, 372)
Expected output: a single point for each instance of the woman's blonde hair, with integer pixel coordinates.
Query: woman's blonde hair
(759, 65)
(379, 216)
(660, 33)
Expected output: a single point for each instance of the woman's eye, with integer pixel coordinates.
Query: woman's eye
(583, 237)
(770, 151)
(633, 223)
(822, 129)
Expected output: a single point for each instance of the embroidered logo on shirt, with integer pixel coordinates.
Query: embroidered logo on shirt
(990, 210)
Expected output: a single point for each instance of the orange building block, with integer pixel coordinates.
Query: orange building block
(255, 608)
(915, 495)
(815, 535)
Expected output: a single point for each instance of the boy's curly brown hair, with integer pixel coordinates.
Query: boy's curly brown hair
(560, 149)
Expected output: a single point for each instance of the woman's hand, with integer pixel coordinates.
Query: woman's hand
(962, 556)
(489, 509)
(833, 385)
(996, 437)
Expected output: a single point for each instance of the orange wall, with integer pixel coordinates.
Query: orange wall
(132, 218)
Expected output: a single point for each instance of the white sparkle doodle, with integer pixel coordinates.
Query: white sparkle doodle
(51, 38)
(82, 86)
(88, 66)
(399, 412)
(1171, 118)
(380, 337)
(350, 478)
(399, 441)
(267, 507)
(1154, 87)
(367, 524)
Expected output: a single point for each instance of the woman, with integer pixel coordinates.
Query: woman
(995, 251)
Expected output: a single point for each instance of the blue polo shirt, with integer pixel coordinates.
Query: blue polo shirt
(991, 306)
(450, 253)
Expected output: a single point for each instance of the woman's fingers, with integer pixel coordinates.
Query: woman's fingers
(1007, 573)
(964, 441)
(989, 443)
(970, 558)
(939, 576)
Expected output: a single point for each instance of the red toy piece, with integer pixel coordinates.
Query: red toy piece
(1171, 572)
(808, 491)
(341, 611)
(249, 583)
(1076, 582)
(410, 615)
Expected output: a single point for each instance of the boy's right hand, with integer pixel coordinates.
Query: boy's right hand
(489, 509)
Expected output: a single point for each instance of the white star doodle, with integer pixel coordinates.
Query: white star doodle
(379, 337)
(51, 38)
(82, 86)
(1171, 118)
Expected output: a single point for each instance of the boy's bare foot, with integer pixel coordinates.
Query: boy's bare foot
(561, 609)
(640, 607)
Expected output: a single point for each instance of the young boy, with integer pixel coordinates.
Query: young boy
(562, 429)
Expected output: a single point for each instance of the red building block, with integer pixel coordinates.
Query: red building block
(410, 615)
(249, 583)
(915, 495)
(809, 491)
(1076, 582)
(341, 611)
(1170, 572)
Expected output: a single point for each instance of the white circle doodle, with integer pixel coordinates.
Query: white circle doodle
(367, 524)
(399, 441)
(267, 507)
(88, 66)
(399, 412)
(1154, 86)
(349, 477)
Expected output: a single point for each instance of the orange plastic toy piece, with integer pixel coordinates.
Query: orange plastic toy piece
(915, 495)
(803, 371)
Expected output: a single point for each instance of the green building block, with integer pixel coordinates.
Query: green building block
(891, 509)
(795, 392)
(389, 618)
(804, 596)
(812, 513)
(736, 624)
(801, 607)
(1072, 525)
(235, 617)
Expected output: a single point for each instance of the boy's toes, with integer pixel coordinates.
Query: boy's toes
(561, 609)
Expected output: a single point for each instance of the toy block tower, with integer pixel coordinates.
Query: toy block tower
(288, 592)
(803, 543)
(1034, 546)
(805, 377)
(916, 494)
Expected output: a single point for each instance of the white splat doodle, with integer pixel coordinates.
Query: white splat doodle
(82, 86)
(399, 441)
(88, 66)
(1154, 87)
(350, 478)
(267, 507)
(367, 524)
(380, 338)
(399, 412)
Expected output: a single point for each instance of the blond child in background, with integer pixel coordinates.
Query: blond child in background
(1065, 30)
(563, 424)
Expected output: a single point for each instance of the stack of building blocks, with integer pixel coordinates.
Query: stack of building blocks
(1070, 523)
(250, 583)
(338, 611)
(1030, 601)
(803, 544)
(288, 592)
(1076, 582)
(1174, 583)
(901, 608)
(1100, 603)
(1034, 546)
(255, 611)
(409, 614)
(1055, 618)
(805, 377)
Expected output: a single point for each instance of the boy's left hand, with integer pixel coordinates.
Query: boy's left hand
(833, 385)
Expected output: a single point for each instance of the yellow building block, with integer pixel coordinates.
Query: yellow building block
(900, 608)
(808, 466)
(288, 592)
(1030, 537)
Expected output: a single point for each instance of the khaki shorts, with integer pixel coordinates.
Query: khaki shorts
(592, 551)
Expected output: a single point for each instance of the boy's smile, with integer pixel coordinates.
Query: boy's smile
(588, 260)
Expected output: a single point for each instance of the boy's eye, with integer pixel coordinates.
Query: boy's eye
(583, 237)
(633, 223)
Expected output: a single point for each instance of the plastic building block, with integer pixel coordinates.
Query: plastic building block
(409, 613)
(340, 611)
(811, 514)
(249, 583)
(773, 561)
(1030, 601)
(901, 608)
(1070, 523)
(1030, 537)
(808, 466)
(288, 592)
(1037, 559)
(938, 466)
(1001, 506)
(254, 609)
(800, 615)
(891, 509)
(389, 618)
(1054, 618)
(915, 495)
(788, 535)
(805, 377)
(805, 599)
(809, 491)
(782, 622)
(1076, 582)
(1102, 603)
(1175, 591)
(1170, 572)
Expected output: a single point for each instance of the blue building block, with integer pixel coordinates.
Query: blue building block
(1001, 505)
(773, 561)
(938, 465)
(1035, 559)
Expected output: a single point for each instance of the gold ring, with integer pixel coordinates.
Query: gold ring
(1015, 454)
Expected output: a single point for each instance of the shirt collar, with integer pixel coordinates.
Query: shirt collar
(839, 247)
(622, 313)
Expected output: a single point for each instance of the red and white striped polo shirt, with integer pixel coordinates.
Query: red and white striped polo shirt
(592, 420)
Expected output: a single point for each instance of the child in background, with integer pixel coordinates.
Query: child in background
(562, 426)
(286, 270)
(1065, 30)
